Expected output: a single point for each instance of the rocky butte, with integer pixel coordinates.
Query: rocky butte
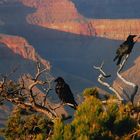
(21, 47)
(62, 15)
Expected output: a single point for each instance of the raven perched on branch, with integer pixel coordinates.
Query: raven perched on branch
(125, 48)
(64, 92)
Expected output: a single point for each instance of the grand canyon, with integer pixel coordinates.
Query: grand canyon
(66, 41)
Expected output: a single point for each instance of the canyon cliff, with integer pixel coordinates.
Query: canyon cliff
(62, 15)
(117, 29)
(21, 47)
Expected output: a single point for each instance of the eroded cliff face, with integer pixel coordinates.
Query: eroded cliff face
(117, 29)
(132, 75)
(62, 15)
(21, 47)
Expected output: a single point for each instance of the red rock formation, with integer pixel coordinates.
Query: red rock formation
(20, 46)
(117, 28)
(62, 15)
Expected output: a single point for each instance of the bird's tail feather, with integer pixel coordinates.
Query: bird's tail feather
(115, 57)
(119, 60)
(74, 106)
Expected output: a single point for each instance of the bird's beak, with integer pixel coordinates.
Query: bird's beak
(136, 37)
(56, 80)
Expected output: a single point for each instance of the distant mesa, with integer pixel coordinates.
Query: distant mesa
(62, 15)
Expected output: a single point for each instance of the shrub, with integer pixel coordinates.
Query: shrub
(95, 121)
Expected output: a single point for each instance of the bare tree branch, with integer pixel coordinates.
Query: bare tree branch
(111, 101)
(102, 72)
(134, 86)
(39, 71)
(103, 75)
(125, 93)
(101, 78)
(21, 92)
(47, 91)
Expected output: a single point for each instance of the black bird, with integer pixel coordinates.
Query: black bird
(64, 92)
(125, 48)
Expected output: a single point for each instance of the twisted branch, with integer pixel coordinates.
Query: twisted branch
(103, 76)
(21, 92)
(134, 86)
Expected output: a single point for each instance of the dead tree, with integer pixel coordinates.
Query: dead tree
(102, 76)
(133, 85)
(23, 95)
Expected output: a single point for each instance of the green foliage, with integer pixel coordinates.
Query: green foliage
(90, 92)
(21, 127)
(68, 133)
(93, 122)
(58, 130)
(124, 126)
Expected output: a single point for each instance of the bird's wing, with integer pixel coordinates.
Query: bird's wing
(69, 98)
(122, 49)
(59, 89)
(64, 93)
